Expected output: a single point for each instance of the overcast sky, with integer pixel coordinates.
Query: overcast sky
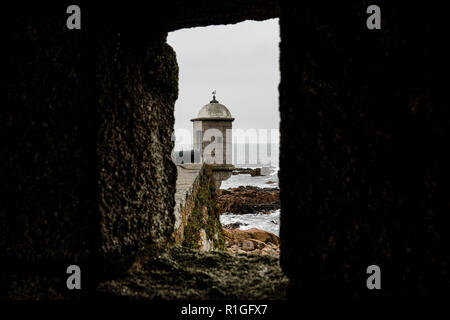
(240, 62)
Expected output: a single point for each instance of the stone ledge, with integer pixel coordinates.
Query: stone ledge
(182, 273)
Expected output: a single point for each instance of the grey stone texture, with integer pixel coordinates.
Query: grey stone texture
(197, 223)
(187, 175)
(212, 129)
(364, 175)
(136, 91)
(48, 125)
(86, 127)
(186, 274)
(222, 154)
(213, 110)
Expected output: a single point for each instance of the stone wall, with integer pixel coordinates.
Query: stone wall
(197, 222)
(86, 128)
(364, 173)
(223, 133)
(48, 207)
(136, 92)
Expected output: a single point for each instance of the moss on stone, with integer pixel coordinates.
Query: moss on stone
(205, 197)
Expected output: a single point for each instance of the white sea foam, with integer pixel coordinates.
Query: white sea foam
(275, 171)
(267, 222)
(269, 181)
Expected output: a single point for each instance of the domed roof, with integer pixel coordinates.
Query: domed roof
(214, 111)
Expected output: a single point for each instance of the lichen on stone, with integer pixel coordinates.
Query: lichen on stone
(204, 215)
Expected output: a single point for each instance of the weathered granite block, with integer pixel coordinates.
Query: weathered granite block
(364, 170)
(197, 223)
(137, 85)
(86, 130)
(48, 212)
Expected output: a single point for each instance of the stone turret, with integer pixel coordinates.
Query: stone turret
(213, 138)
(212, 133)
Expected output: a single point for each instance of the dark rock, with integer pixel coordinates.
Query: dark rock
(253, 172)
(182, 273)
(136, 92)
(242, 171)
(235, 225)
(86, 126)
(248, 199)
(364, 174)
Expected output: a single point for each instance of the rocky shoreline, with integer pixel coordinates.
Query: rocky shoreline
(251, 241)
(248, 200)
(254, 172)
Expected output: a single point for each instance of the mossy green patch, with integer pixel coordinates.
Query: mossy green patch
(205, 214)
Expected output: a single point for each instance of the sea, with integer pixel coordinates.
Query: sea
(267, 222)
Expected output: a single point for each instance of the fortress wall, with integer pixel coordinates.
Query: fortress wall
(86, 129)
(197, 222)
(136, 81)
(49, 215)
(187, 184)
(364, 173)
